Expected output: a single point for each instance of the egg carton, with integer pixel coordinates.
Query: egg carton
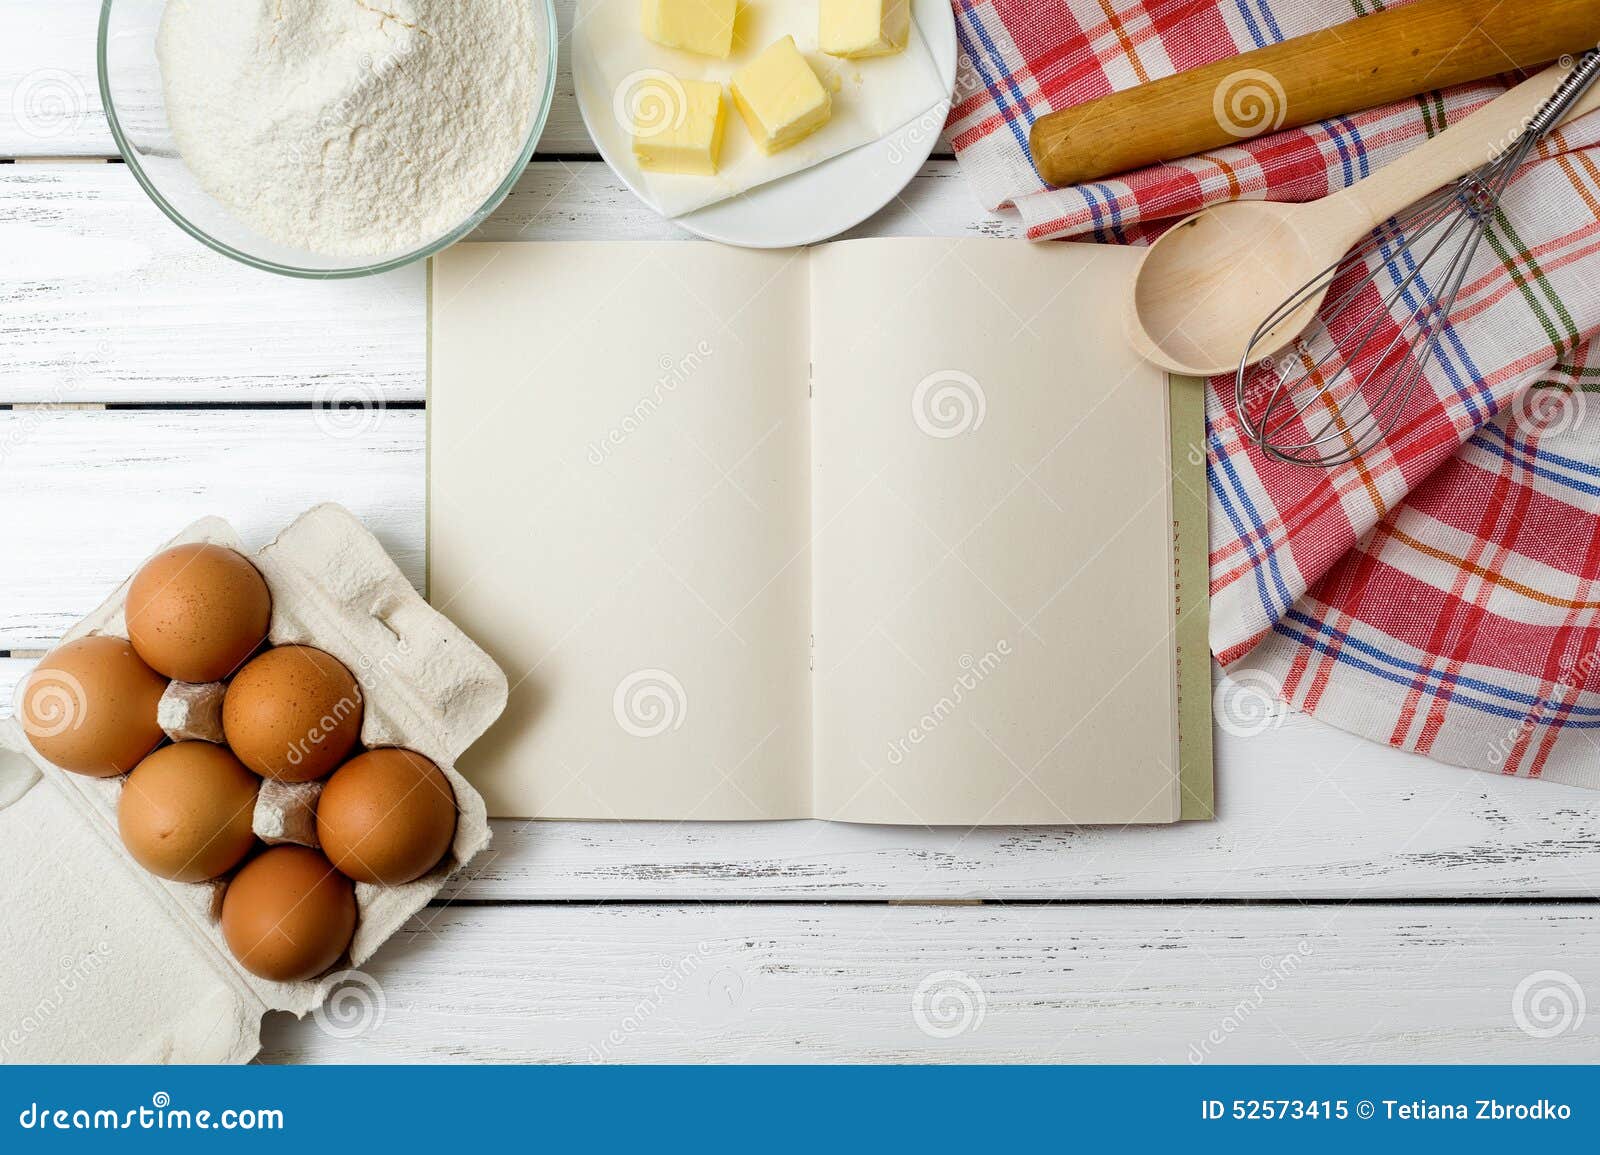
(106, 962)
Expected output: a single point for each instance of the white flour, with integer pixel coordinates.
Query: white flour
(348, 128)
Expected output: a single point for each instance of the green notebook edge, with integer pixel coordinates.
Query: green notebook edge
(1191, 592)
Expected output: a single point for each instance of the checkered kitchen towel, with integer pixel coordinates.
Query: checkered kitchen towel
(1443, 595)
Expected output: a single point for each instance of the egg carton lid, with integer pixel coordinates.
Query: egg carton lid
(109, 963)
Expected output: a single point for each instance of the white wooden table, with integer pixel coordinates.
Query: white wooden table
(1352, 903)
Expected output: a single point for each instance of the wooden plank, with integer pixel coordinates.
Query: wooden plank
(50, 98)
(88, 494)
(103, 300)
(1307, 813)
(584, 200)
(1120, 984)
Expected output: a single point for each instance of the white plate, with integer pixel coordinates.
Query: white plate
(826, 199)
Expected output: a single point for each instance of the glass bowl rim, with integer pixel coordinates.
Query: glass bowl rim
(474, 219)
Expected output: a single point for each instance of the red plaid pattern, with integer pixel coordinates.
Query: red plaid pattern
(1443, 593)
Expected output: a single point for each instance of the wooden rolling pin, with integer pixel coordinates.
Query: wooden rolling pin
(1387, 56)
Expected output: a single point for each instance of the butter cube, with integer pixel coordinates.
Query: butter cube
(779, 97)
(857, 28)
(684, 132)
(703, 26)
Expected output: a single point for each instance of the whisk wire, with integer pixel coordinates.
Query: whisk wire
(1324, 370)
(1321, 283)
(1426, 252)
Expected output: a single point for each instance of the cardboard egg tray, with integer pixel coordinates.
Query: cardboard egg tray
(108, 963)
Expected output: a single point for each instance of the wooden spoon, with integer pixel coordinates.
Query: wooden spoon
(1204, 288)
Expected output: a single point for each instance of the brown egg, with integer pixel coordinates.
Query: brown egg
(196, 612)
(386, 816)
(288, 914)
(90, 707)
(185, 812)
(293, 713)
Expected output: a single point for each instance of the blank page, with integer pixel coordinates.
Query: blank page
(992, 590)
(618, 512)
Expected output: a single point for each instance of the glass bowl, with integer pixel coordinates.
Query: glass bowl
(131, 91)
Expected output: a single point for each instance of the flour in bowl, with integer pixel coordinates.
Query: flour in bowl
(348, 128)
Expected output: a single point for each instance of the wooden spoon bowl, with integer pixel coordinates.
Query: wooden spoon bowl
(1209, 282)
(1205, 287)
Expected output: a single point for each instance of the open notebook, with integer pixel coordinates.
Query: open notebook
(880, 531)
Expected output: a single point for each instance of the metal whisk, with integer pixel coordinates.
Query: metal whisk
(1340, 390)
